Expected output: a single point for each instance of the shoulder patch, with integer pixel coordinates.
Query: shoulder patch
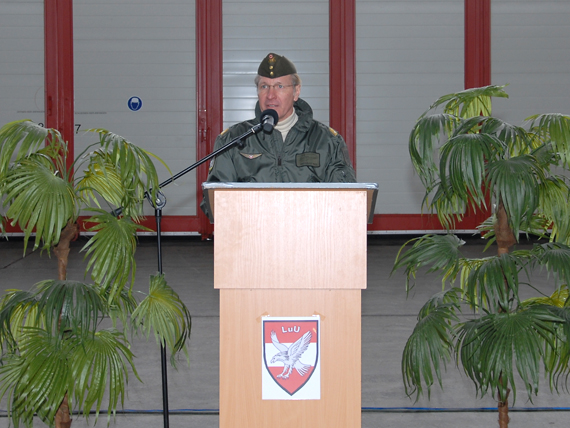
(224, 131)
(333, 131)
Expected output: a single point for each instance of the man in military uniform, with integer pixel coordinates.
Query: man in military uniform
(300, 149)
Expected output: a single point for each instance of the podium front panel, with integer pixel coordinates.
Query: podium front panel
(290, 253)
(290, 239)
(241, 404)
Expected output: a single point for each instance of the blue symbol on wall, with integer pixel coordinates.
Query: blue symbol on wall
(135, 103)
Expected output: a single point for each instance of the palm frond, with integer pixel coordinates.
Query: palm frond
(101, 178)
(135, 167)
(462, 165)
(120, 306)
(437, 252)
(36, 379)
(515, 182)
(492, 347)
(425, 138)
(492, 283)
(470, 102)
(111, 251)
(555, 258)
(515, 139)
(448, 206)
(18, 309)
(554, 128)
(558, 299)
(61, 308)
(554, 205)
(557, 356)
(431, 344)
(100, 366)
(39, 201)
(69, 307)
(163, 312)
(22, 138)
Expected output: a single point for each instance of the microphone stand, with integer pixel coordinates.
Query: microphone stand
(159, 203)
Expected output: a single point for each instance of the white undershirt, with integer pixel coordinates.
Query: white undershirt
(285, 126)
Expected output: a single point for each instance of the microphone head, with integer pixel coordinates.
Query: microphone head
(269, 119)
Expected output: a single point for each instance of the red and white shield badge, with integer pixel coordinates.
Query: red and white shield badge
(290, 358)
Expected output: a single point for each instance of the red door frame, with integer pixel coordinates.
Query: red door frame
(58, 54)
(59, 92)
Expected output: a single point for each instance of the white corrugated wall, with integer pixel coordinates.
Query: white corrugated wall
(408, 53)
(21, 60)
(531, 53)
(130, 48)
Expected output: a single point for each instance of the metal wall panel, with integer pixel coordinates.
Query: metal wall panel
(131, 48)
(296, 29)
(531, 53)
(408, 53)
(21, 61)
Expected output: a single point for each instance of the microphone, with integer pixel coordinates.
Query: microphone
(269, 119)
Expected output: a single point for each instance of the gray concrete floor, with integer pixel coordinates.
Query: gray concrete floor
(388, 317)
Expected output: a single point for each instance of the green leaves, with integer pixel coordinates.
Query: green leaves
(431, 344)
(493, 347)
(50, 339)
(37, 378)
(99, 367)
(39, 201)
(482, 324)
(52, 345)
(437, 252)
(124, 163)
(554, 128)
(470, 102)
(86, 367)
(466, 158)
(111, 251)
(22, 139)
(163, 312)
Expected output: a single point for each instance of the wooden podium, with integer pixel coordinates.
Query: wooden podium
(290, 250)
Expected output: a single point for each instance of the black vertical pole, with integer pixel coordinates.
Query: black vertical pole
(159, 204)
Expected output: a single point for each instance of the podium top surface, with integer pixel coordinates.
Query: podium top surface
(209, 187)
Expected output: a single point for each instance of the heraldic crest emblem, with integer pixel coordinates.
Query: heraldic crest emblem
(291, 355)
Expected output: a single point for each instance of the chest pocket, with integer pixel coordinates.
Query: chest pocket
(308, 159)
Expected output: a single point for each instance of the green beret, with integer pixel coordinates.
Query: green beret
(274, 66)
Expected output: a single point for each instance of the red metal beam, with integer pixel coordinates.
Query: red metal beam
(209, 88)
(477, 43)
(58, 45)
(342, 74)
(477, 59)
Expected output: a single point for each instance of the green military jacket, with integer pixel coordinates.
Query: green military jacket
(311, 153)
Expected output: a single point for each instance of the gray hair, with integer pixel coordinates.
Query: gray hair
(295, 78)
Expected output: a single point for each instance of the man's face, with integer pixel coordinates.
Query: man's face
(271, 96)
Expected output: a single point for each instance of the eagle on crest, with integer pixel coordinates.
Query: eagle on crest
(290, 355)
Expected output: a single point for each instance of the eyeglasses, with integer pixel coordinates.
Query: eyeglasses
(278, 88)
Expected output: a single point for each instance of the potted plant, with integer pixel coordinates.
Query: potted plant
(55, 354)
(468, 159)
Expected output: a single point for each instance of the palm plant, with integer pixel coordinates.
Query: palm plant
(55, 353)
(468, 159)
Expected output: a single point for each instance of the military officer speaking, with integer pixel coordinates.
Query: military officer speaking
(300, 149)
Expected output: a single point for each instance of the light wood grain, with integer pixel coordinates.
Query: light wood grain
(241, 342)
(290, 239)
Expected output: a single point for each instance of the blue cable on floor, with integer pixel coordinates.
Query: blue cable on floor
(3, 413)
